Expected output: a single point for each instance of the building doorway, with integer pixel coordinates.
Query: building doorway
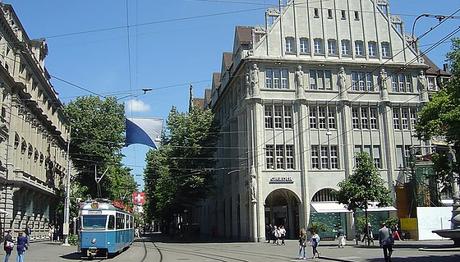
(282, 208)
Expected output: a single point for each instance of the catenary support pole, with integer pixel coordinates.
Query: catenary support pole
(65, 227)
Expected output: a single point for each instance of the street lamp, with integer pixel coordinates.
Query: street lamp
(440, 18)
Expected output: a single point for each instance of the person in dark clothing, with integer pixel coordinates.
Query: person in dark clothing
(8, 245)
(28, 232)
(22, 246)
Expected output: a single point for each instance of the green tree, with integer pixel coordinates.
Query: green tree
(98, 127)
(363, 186)
(441, 116)
(179, 173)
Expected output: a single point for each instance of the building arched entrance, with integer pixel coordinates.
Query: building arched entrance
(282, 208)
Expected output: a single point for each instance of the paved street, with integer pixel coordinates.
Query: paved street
(165, 251)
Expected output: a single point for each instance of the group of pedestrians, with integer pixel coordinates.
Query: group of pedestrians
(275, 234)
(22, 244)
(304, 240)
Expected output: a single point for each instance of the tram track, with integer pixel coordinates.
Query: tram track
(213, 256)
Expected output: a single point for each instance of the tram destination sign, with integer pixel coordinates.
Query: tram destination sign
(281, 180)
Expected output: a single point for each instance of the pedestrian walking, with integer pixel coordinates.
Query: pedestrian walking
(268, 232)
(136, 231)
(341, 237)
(22, 246)
(277, 236)
(8, 245)
(396, 235)
(302, 244)
(28, 232)
(282, 234)
(51, 232)
(368, 234)
(314, 243)
(386, 241)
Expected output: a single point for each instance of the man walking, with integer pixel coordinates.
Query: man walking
(22, 245)
(386, 242)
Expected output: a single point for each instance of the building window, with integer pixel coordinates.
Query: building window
(386, 50)
(369, 82)
(289, 156)
(345, 44)
(313, 117)
(413, 118)
(316, 12)
(364, 118)
(396, 121)
(334, 158)
(304, 46)
(405, 118)
(322, 117)
(401, 83)
(408, 83)
(344, 15)
(290, 45)
(279, 152)
(318, 45)
(374, 118)
(372, 49)
(359, 48)
(355, 118)
(324, 157)
(356, 15)
(331, 118)
(332, 47)
(287, 117)
(432, 84)
(269, 153)
(329, 13)
(361, 81)
(278, 117)
(268, 116)
(314, 157)
(394, 83)
(320, 79)
(376, 156)
(276, 78)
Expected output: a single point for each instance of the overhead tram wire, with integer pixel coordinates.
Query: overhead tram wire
(181, 19)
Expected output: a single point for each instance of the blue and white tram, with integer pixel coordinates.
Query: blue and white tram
(105, 228)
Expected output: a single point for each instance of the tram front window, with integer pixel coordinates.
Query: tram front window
(94, 222)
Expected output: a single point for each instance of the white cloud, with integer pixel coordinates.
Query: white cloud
(135, 105)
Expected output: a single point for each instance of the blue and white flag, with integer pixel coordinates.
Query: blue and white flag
(146, 131)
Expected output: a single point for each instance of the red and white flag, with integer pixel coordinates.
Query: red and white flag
(139, 198)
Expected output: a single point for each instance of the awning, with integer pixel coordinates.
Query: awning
(336, 207)
(2, 211)
(374, 208)
(329, 207)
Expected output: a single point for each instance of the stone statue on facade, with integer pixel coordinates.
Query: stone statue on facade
(299, 82)
(253, 184)
(383, 85)
(254, 80)
(247, 84)
(342, 84)
(423, 86)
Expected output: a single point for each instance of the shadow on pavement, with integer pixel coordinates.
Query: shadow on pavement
(72, 256)
(453, 258)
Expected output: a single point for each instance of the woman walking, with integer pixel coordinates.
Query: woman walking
(22, 245)
(8, 245)
(302, 244)
(282, 234)
(314, 243)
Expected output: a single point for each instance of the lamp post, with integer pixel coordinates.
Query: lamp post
(440, 18)
(65, 226)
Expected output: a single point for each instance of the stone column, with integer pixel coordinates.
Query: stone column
(304, 205)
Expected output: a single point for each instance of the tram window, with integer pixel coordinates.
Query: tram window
(94, 221)
(120, 221)
(111, 224)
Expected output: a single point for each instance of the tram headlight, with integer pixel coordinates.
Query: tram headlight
(93, 241)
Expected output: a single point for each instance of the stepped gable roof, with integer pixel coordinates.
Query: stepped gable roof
(227, 60)
(215, 80)
(433, 68)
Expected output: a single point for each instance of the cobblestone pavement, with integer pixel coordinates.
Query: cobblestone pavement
(163, 250)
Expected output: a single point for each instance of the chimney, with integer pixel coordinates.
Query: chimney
(445, 67)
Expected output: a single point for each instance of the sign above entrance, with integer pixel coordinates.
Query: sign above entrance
(281, 180)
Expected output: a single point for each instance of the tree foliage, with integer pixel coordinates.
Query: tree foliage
(98, 127)
(178, 174)
(441, 116)
(363, 186)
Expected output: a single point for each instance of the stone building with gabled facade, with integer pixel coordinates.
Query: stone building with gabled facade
(321, 81)
(33, 132)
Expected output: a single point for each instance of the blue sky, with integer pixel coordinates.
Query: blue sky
(164, 55)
